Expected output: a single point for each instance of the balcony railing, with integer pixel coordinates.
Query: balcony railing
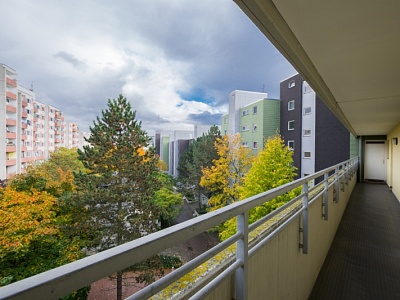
(296, 225)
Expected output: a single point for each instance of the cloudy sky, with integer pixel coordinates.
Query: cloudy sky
(175, 60)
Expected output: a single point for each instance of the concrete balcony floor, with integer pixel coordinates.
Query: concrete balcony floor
(364, 259)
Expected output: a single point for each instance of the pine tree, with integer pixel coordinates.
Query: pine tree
(122, 180)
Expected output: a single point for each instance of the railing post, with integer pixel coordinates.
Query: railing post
(304, 230)
(242, 250)
(326, 196)
(337, 193)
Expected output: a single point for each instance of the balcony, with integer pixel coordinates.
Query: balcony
(11, 148)
(24, 114)
(24, 125)
(279, 255)
(24, 103)
(11, 135)
(11, 122)
(11, 162)
(11, 95)
(11, 82)
(11, 108)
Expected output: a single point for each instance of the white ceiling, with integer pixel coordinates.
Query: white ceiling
(349, 52)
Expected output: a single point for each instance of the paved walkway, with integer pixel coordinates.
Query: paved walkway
(364, 259)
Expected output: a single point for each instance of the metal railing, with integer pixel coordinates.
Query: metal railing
(249, 239)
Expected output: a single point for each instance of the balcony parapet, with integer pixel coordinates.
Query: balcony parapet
(284, 246)
(11, 82)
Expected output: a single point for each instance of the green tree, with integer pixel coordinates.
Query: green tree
(225, 176)
(272, 167)
(200, 154)
(167, 200)
(123, 178)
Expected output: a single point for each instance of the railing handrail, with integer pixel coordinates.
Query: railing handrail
(60, 281)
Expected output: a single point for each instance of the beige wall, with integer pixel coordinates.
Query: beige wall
(393, 162)
(280, 270)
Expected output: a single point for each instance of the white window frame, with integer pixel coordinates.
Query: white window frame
(290, 145)
(307, 154)
(307, 132)
(254, 145)
(254, 127)
(245, 112)
(245, 128)
(288, 124)
(291, 84)
(288, 106)
(255, 110)
(306, 112)
(245, 144)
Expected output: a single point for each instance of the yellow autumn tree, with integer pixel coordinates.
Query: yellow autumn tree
(225, 176)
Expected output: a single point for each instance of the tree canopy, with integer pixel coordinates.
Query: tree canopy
(226, 174)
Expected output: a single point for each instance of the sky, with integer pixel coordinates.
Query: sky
(176, 61)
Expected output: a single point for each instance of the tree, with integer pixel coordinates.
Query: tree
(225, 176)
(32, 239)
(54, 176)
(167, 200)
(272, 167)
(199, 155)
(118, 191)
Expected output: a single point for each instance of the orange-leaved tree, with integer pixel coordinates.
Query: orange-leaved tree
(225, 176)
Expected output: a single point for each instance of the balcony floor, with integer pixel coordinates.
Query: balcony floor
(364, 259)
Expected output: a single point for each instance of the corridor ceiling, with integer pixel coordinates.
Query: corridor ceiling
(348, 51)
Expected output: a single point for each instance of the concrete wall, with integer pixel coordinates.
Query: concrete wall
(393, 161)
(280, 270)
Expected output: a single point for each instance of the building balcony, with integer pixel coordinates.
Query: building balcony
(11, 95)
(24, 125)
(11, 162)
(24, 103)
(11, 122)
(24, 137)
(11, 82)
(11, 148)
(11, 135)
(24, 114)
(11, 108)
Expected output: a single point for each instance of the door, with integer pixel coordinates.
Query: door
(375, 161)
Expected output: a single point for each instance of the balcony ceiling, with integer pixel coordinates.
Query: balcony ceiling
(348, 51)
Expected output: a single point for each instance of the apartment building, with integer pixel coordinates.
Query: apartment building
(29, 129)
(310, 129)
(252, 115)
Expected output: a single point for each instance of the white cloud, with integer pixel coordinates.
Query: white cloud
(78, 54)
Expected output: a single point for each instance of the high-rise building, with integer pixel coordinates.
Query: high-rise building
(252, 115)
(310, 129)
(29, 130)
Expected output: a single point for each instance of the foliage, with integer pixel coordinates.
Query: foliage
(122, 179)
(32, 239)
(169, 204)
(200, 154)
(272, 167)
(162, 165)
(170, 262)
(54, 176)
(225, 176)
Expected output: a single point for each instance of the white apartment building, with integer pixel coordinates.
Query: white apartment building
(29, 130)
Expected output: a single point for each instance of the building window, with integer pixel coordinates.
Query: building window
(254, 110)
(307, 110)
(245, 144)
(245, 112)
(290, 105)
(290, 145)
(225, 120)
(254, 145)
(307, 132)
(307, 154)
(291, 125)
(28, 111)
(225, 132)
(245, 128)
(292, 84)
(254, 127)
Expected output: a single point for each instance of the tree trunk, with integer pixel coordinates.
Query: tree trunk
(119, 285)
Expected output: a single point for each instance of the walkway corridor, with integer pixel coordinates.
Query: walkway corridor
(364, 259)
